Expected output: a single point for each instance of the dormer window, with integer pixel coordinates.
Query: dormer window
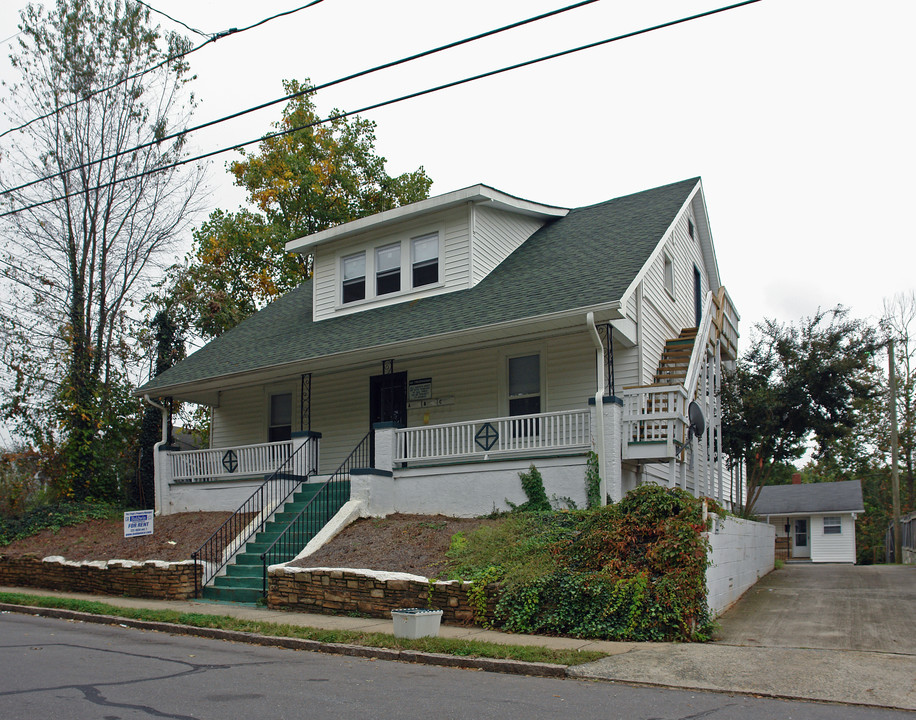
(388, 269)
(354, 277)
(424, 251)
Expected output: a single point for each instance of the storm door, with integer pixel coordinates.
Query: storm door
(387, 402)
(801, 544)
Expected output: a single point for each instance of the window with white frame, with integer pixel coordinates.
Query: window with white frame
(833, 525)
(353, 270)
(388, 269)
(525, 385)
(669, 274)
(280, 422)
(424, 258)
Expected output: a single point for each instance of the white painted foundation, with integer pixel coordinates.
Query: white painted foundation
(741, 552)
(467, 490)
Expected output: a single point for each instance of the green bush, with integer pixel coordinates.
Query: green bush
(632, 571)
(51, 517)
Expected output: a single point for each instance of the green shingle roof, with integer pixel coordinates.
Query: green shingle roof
(589, 257)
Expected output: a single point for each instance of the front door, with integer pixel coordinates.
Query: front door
(387, 402)
(697, 296)
(801, 543)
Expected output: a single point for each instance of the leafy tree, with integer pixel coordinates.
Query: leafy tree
(298, 183)
(797, 385)
(74, 265)
(170, 349)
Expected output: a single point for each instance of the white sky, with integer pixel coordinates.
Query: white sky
(798, 115)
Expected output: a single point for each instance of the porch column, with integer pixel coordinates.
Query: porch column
(612, 471)
(384, 446)
(308, 462)
(162, 476)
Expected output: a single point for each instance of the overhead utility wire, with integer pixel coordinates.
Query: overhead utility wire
(174, 20)
(385, 103)
(178, 56)
(307, 91)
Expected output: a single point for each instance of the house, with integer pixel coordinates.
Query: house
(816, 521)
(442, 347)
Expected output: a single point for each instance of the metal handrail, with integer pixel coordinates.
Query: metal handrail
(239, 528)
(317, 511)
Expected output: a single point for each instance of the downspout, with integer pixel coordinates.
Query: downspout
(599, 407)
(156, 448)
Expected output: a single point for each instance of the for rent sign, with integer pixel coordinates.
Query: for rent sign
(139, 522)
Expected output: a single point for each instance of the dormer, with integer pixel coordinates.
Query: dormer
(442, 244)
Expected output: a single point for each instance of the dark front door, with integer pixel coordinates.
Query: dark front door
(697, 295)
(387, 402)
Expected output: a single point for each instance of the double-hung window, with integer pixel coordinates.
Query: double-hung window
(280, 424)
(833, 525)
(525, 393)
(388, 269)
(354, 277)
(424, 258)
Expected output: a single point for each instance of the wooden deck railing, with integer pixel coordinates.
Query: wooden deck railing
(190, 466)
(517, 436)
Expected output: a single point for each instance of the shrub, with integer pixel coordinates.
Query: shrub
(631, 571)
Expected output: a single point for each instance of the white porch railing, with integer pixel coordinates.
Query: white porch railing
(188, 466)
(654, 421)
(567, 431)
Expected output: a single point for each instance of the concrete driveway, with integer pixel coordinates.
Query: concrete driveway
(830, 607)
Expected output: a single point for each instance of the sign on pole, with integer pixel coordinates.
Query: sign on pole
(138, 522)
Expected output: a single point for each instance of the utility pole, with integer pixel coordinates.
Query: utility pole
(895, 477)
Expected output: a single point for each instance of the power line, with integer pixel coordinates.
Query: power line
(174, 20)
(310, 90)
(384, 103)
(178, 56)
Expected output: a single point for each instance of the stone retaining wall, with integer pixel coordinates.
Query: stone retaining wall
(339, 592)
(150, 579)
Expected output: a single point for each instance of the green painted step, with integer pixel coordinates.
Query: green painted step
(225, 581)
(244, 570)
(225, 594)
(243, 580)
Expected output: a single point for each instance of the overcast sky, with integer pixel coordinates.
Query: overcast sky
(798, 115)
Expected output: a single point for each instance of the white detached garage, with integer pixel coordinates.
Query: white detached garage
(816, 520)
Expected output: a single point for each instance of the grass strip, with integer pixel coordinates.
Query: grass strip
(446, 646)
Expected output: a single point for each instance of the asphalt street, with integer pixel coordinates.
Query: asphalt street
(55, 668)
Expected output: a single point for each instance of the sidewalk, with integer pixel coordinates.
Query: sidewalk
(864, 678)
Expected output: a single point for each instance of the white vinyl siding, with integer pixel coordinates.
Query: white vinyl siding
(240, 419)
(839, 547)
(497, 234)
(663, 318)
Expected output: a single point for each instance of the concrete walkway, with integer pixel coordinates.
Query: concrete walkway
(735, 663)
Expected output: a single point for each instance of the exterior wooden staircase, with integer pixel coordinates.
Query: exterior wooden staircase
(672, 368)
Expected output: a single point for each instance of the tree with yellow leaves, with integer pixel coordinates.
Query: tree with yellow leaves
(311, 176)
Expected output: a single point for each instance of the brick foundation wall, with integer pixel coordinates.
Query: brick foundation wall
(150, 579)
(376, 594)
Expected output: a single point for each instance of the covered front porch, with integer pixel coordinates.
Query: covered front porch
(459, 468)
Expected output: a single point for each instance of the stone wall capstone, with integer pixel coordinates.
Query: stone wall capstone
(333, 591)
(150, 579)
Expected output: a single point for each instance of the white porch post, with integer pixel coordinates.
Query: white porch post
(384, 446)
(611, 471)
(309, 460)
(162, 477)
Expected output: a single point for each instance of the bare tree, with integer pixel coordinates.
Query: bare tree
(80, 246)
(899, 320)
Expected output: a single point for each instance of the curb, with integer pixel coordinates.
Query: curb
(509, 667)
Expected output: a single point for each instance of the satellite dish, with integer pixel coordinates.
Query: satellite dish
(697, 421)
